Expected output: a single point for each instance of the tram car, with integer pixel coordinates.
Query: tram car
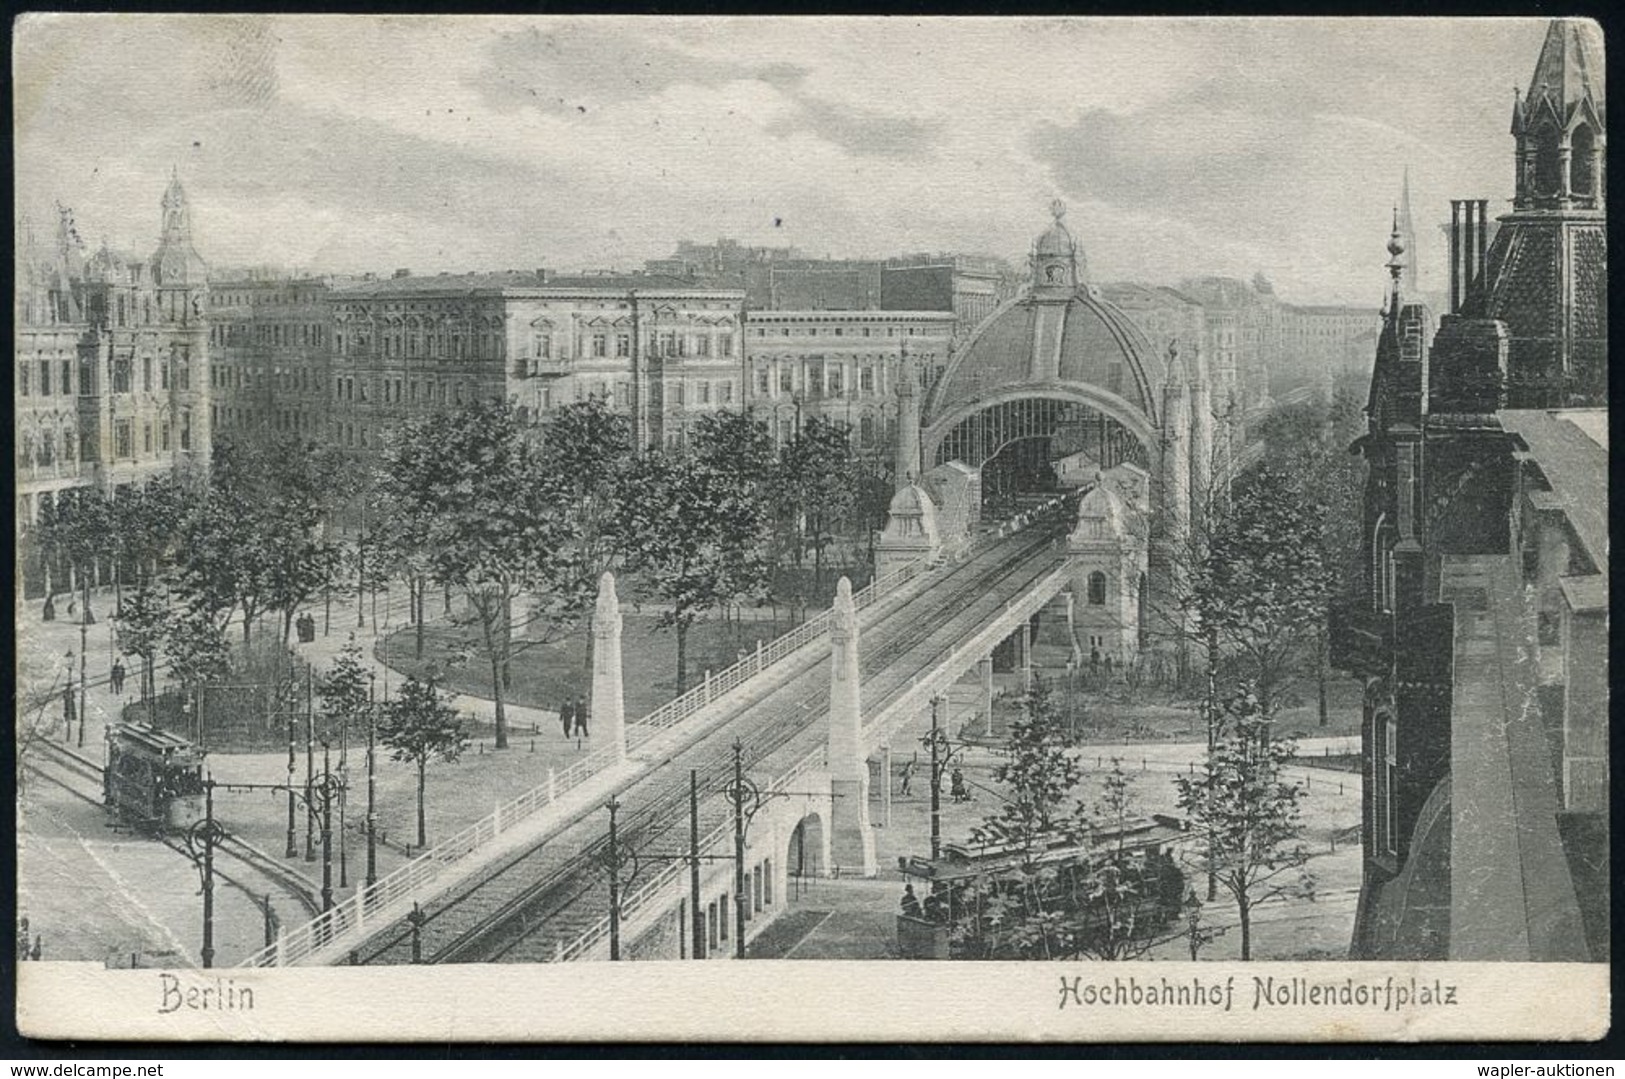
(153, 780)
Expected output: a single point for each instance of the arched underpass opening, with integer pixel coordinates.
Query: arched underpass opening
(804, 859)
(1034, 446)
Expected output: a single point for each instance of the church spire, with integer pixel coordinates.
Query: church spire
(1407, 233)
(1560, 122)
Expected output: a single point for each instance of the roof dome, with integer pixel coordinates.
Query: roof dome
(1101, 514)
(1056, 241)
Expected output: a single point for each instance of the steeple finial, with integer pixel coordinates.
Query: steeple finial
(1057, 210)
(1396, 262)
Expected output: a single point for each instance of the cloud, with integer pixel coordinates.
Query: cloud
(860, 131)
(585, 65)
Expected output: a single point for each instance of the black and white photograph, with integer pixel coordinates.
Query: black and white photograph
(574, 501)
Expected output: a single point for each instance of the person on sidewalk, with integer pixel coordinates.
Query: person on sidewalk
(116, 676)
(581, 718)
(567, 716)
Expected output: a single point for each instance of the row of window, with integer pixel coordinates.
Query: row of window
(307, 334)
(839, 331)
(665, 344)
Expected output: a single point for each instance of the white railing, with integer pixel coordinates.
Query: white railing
(416, 878)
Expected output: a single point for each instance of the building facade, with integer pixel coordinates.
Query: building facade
(111, 366)
(1481, 637)
(840, 365)
(659, 349)
(271, 349)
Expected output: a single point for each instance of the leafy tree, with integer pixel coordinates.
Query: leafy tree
(692, 538)
(1262, 586)
(738, 448)
(1249, 811)
(345, 688)
(486, 520)
(417, 726)
(584, 454)
(142, 623)
(198, 654)
(1099, 898)
(77, 527)
(813, 481)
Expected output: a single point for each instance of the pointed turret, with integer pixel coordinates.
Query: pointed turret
(1560, 123)
(1407, 233)
(176, 264)
(908, 420)
(608, 697)
(852, 843)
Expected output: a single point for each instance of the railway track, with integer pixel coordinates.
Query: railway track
(82, 777)
(524, 908)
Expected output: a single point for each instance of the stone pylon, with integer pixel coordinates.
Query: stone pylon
(852, 841)
(608, 700)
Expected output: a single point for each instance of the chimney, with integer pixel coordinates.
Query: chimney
(541, 274)
(1469, 236)
(403, 272)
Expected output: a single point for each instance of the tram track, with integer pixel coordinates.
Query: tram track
(82, 777)
(524, 908)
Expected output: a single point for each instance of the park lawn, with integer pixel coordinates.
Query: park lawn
(545, 675)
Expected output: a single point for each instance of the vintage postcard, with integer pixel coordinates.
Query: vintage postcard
(699, 528)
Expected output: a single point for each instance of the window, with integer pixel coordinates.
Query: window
(67, 447)
(866, 431)
(835, 381)
(146, 437)
(45, 378)
(725, 391)
(703, 390)
(458, 390)
(67, 379)
(544, 346)
(186, 429)
(623, 345)
(123, 440)
(1385, 801)
(1097, 589)
(787, 379)
(866, 380)
(763, 382)
(22, 380)
(702, 346)
(722, 905)
(163, 375)
(677, 394)
(47, 451)
(623, 395)
(600, 345)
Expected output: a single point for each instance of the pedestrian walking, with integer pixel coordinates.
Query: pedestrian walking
(67, 705)
(581, 718)
(906, 778)
(567, 716)
(117, 677)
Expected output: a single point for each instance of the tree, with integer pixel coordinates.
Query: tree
(1262, 586)
(78, 527)
(584, 454)
(142, 622)
(695, 542)
(417, 726)
(198, 654)
(815, 488)
(1249, 812)
(485, 519)
(1077, 886)
(738, 448)
(345, 687)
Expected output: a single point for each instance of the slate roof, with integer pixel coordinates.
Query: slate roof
(1575, 463)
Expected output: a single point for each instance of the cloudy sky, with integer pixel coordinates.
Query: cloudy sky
(353, 143)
